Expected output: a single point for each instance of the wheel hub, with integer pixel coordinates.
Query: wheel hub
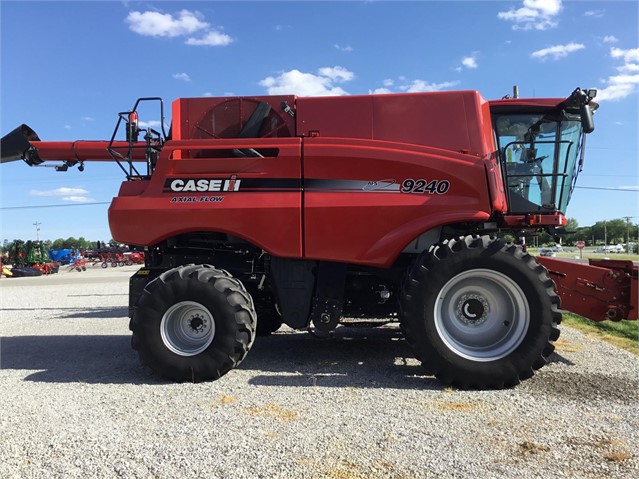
(187, 328)
(197, 324)
(472, 309)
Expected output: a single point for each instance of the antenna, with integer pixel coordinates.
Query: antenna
(37, 225)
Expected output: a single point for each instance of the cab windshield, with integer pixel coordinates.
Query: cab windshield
(540, 155)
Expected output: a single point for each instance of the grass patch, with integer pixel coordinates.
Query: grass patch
(588, 254)
(623, 334)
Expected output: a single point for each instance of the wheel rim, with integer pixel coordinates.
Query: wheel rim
(482, 315)
(187, 328)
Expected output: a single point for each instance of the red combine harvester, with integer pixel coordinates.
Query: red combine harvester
(315, 212)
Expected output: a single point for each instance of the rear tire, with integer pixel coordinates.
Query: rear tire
(193, 323)
(479, 313)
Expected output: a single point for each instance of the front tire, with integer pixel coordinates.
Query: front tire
(193, 323)
(480, 313)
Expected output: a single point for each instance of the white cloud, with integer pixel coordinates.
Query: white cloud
(211, 39)
(423, 86)
(156, 24)
(182, 76)
(469, 62)
(337, 74)
(414, 86)
(62, 191)
(79, 199)
(614, 92)
(534, 14)
(184, 23)
(67, 127)
(628, 68)
(207, 93)
(150, 124)
(346, 48)
(631, 55)
(378, 91)
(621, 86)
(308, 84)
(594, 13)
(610, 39)
(87, 118)
(557, 51)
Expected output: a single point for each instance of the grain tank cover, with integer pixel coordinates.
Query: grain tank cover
(456, 120)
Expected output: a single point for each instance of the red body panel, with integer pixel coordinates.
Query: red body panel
(369, 220)
(456, 121)
(269, 219)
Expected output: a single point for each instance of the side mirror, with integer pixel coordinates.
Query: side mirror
(584, 99)
(587, 122)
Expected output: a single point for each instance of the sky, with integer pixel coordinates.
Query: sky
(68, 68)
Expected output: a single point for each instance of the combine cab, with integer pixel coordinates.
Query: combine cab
(316, 212)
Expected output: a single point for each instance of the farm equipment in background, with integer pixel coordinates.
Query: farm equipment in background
(30, 259)
(115, 257)
(77, 262)
(62, 256)
(134, 257)
(314, 210)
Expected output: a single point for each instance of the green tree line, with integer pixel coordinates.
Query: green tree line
(617, 231)
(69, 243)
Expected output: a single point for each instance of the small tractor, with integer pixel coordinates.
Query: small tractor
(317, 212)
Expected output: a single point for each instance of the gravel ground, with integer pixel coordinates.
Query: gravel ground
(75, 402)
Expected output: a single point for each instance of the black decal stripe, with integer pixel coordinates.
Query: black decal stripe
(291, 184)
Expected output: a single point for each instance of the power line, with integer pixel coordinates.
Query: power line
(52, 206)
(636, 190)
(610, 176)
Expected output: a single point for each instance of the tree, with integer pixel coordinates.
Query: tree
(610, 231)
(572, 228)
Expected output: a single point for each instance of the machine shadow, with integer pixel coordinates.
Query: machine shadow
(80, 312)
(352, 357)
(93, 359)
(364, 358)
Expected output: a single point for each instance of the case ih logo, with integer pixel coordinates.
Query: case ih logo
(201, 185)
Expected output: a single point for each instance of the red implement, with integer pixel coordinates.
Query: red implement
(599, 290)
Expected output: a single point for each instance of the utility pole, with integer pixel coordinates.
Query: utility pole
(37, 225)
(605, 233)
(627, 218)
